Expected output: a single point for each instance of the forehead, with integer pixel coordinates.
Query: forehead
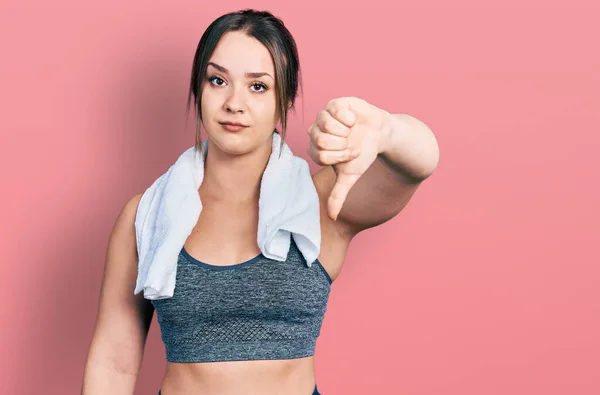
(240, 53)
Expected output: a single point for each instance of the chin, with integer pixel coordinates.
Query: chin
(239, 143)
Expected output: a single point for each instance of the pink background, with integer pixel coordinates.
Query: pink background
(486, 284)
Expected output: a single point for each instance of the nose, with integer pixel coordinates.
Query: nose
(234, 102)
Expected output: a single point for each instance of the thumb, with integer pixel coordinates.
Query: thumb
(337, 197)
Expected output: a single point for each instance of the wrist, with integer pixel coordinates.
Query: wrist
(391, 124)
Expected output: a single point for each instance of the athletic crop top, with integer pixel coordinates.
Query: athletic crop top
(258, 309)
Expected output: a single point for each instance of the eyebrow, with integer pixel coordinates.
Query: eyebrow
(250, 75)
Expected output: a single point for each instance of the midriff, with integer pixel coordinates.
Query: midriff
(262, 377)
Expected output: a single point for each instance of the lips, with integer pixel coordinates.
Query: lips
(233, 126)
(233, 123)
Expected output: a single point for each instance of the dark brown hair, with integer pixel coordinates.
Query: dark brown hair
(271, 32)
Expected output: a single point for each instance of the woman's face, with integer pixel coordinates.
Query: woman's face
(239, 86)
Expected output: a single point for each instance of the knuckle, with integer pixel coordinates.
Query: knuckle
(323, 157)
(334, 104)
(320, 115)
(314, 155)
(326, 118)
(321, 141)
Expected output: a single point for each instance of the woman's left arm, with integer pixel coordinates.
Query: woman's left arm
(374, 161)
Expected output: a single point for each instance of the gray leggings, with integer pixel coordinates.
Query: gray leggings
(315, 392)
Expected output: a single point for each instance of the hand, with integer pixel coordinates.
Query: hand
(348, 135)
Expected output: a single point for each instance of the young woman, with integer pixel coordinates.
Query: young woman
(237, 323)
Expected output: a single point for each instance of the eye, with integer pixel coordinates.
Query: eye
(259, 85)
(214, 79)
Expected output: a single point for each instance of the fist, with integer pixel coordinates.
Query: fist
(347, 135)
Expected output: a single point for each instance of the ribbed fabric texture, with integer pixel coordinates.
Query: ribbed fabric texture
(259, 309)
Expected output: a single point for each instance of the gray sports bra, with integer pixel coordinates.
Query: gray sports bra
(258, 309)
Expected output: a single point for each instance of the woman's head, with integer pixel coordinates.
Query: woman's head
(245, 70)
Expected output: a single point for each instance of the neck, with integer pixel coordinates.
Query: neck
(234, 178)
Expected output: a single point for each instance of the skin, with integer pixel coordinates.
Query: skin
(373, 162)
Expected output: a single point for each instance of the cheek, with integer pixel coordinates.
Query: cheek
(265, 109)
(208, 104)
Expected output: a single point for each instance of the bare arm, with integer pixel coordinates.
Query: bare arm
(123, 319)
(409, 155)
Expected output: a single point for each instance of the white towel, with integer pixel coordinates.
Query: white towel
(169, 210)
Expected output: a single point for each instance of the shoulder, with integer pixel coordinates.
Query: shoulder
(132, 204)
(129, 209)
(125, 223)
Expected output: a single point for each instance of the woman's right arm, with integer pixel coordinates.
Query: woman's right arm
(123, 319)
